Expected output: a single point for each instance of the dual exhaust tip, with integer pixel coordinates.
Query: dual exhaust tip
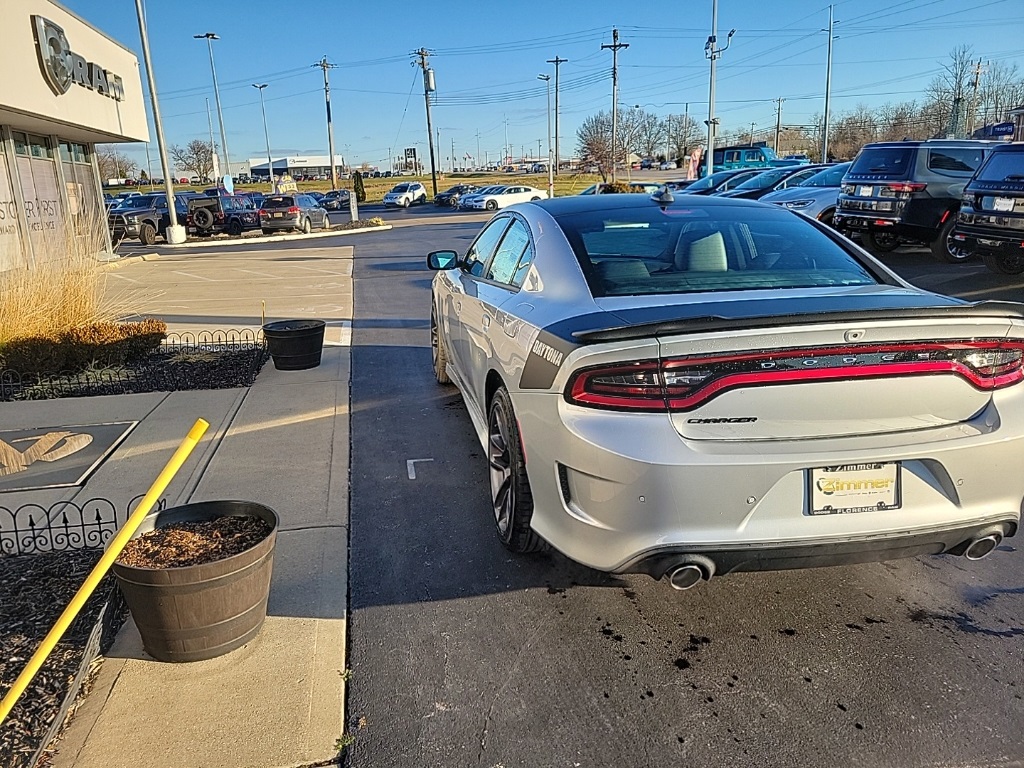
(697, 569)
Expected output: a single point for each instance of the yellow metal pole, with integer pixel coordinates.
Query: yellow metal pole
(100, 570)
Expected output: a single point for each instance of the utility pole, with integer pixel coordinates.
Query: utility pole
(713, 52)
(428, 87)
(556, 61)
(437, 144)
(326, 65)
(477, 163)
(453, 154)
(266, 135)
(828, 86)
(752, 134)
(551, 172)
(614, 48)
(210, 37)
(506, 152)
(778, 121)
(974, 97)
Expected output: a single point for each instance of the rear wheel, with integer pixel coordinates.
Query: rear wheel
(439, 356)
(945, 248)
(511, 498)
(266, 231)
(147, 234)
(307, 227)
(423, 200)
(881, 241)
(1003, 264)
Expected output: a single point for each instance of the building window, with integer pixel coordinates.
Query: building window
(20, 143)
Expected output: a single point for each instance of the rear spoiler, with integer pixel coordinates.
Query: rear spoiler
(710, 323)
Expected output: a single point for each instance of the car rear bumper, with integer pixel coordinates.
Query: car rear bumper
(288, 222)
(612, 491)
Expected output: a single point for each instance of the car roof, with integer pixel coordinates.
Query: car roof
(569, 204)
(933, 143)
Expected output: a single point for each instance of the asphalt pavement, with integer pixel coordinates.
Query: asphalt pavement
(465, 655)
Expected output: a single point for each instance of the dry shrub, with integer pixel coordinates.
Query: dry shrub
(54, 317)
(62, 290)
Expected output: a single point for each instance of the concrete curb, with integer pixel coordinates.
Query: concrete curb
(275, 238)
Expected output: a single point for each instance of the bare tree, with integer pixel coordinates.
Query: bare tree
(1001, 88)
(683, 135)
(648, 134)
(947, 91)
(115, 164)
(594, 142)
(196, 157)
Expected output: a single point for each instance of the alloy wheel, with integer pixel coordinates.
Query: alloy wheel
(499, 461)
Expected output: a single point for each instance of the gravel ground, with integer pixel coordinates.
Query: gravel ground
(33, 591)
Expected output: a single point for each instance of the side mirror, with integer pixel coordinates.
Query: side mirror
(442, 259)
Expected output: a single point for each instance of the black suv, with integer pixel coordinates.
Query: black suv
(145, 216)
(991, 220)
(909, 190)
(450, 197)
(225, 213)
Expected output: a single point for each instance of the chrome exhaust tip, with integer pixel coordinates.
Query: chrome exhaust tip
(982, 547)
(685, 576)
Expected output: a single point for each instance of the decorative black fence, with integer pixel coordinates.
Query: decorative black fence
(33, 528)
(215, 359)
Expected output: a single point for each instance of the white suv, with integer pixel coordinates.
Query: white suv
(405, 194)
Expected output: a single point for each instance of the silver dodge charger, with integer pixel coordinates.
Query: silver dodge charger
(689, 387)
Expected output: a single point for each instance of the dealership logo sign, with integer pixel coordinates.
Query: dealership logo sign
(61, 66)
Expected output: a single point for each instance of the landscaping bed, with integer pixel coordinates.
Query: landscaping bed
(34, 589)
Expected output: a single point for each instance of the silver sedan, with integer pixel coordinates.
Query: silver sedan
(694, 387)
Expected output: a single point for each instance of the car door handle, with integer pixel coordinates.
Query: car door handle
(458, 306)
(486, 322)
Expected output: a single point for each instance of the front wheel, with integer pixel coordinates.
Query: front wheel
(492, 205)
(438, 354)
(511, 498)
(147, 234)
(405, 202)
(881, 241)
(1002, 264)
(946, 249)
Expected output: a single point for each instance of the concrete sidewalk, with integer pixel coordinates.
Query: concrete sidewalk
(278, 702)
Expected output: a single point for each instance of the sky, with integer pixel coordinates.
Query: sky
(486, 57)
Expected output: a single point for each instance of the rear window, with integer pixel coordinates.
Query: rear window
(278, 202)
(1003, 166)
(764, 180)
(830, 177)
(955, 162)
(895, 162)
(643, 251)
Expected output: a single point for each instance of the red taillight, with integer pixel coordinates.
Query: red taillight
(263, 214)
(906, 187)
(293, 209)
(683, 384)
(218, 216)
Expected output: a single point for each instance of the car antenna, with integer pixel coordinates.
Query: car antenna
(663, 197)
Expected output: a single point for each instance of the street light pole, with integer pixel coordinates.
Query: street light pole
(175, 233)
(551, 170)
(713, 52)
(828, 87)
(266, 134)
(210, 37)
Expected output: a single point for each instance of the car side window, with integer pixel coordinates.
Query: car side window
(524, 265)
(959, 161)
(480, 251)
(502, 268)
(752, 155)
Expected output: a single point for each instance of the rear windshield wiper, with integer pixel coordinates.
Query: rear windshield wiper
(879, 170)
(1014, 176)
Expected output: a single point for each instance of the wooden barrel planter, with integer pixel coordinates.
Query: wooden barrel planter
(197, 612)
(295, 345)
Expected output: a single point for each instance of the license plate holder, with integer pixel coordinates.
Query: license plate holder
(851, 488)
(865, 191)
(278, 215)
(1003, 204)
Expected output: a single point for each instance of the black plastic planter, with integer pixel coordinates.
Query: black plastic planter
(198, 612)
(295, 345)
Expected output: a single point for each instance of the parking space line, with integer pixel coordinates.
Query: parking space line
(410, 466)
(197, 277)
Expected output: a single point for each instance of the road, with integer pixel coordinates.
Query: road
(464, 655)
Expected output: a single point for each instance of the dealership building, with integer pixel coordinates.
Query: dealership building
(299, 165)
(66, 87)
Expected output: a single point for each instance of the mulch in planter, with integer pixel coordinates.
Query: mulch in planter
(194, 543)
(34, 590)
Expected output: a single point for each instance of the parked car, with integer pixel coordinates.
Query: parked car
(450, 197)
(740, 156)
(335, 200)
(295, 211)
(405, 194)
(316, 194)
(771, 180)
(709, 385)
(506, 196)
(668, 165)
(816, 197)
(798, 158)
(635, 187)
(909, 190)
(678, 185)
(145, 217)
(991, 218)
(210, 215)
(466, 201)
(721, 181)
(255, 197)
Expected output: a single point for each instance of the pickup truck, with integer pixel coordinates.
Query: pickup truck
(144, 217)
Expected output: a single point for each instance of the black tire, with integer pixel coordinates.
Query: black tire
(492, 205)
(202, 218)
(880, 241)
(826, 217)
(946, 249)
(1002, 264)
(534, 199)
(147, 233)
(423, 200)
(307, 227)
(511, 498)
(438, 353)
(234, 228)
